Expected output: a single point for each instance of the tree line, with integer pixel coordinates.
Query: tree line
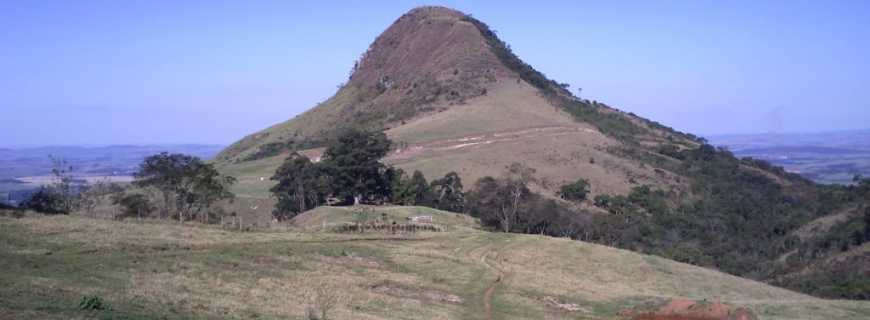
(351, 172)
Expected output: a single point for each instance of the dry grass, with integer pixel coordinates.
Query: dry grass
(201, 272)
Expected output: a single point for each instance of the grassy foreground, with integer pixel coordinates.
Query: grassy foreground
(148, 270)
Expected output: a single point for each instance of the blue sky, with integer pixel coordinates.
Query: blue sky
(138, 72)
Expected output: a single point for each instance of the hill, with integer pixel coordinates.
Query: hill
(453, 97)
(164, 270)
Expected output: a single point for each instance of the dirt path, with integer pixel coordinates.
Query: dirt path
(411, 151)
(489, 293)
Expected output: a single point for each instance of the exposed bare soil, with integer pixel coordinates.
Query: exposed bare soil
(686, 309)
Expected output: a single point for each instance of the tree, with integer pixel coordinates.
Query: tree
(164, 172)
(353, 162)
(867, 223)
(63, 185)
(413, 191)
(575, 191)
(204, 187)
(515, 182)
(60, 197)
(421, 189)
(401, 187)
(448, 193)
(301, 185)
(187, 183)
(497, 201)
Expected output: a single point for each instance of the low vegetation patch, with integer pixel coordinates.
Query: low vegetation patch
(93, 303)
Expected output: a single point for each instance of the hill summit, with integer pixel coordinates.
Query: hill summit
(428, 59)
(442, 84)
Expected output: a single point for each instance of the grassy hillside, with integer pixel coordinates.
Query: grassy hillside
(482, 136)
(153, 270)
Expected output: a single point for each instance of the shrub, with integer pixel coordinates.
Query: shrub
(47, 200)
(322, 300)
(134, 205)
(575, 191)
(93, 303)
(602, 201)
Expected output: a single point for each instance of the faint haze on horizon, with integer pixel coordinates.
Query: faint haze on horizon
(170, 72)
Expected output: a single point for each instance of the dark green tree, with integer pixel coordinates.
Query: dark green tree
(353, 162)
(187, 183)
(400, 186)
(413, 191)
(448, 193)
(301, 185)
(421, 189)
(575, 191)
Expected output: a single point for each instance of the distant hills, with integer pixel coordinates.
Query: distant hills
(825, 157)
(105, 160)
(23, 170)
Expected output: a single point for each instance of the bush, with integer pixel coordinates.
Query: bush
(576, 191)
(322, 299)
(135, 205)
(93, 303)
(601, 201)
(47, 201)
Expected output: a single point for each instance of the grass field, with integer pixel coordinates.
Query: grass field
(152, 270)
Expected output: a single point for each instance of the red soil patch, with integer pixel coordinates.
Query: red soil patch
(685, 309)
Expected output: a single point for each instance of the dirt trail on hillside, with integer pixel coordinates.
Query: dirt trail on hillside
(489, 293)
(414, 150)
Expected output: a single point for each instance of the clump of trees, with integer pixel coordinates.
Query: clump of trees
(301, 185)
(507, 204)
(353, 164)
(187, 186)
(412, 191)
(448, 194)
(351, 172)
